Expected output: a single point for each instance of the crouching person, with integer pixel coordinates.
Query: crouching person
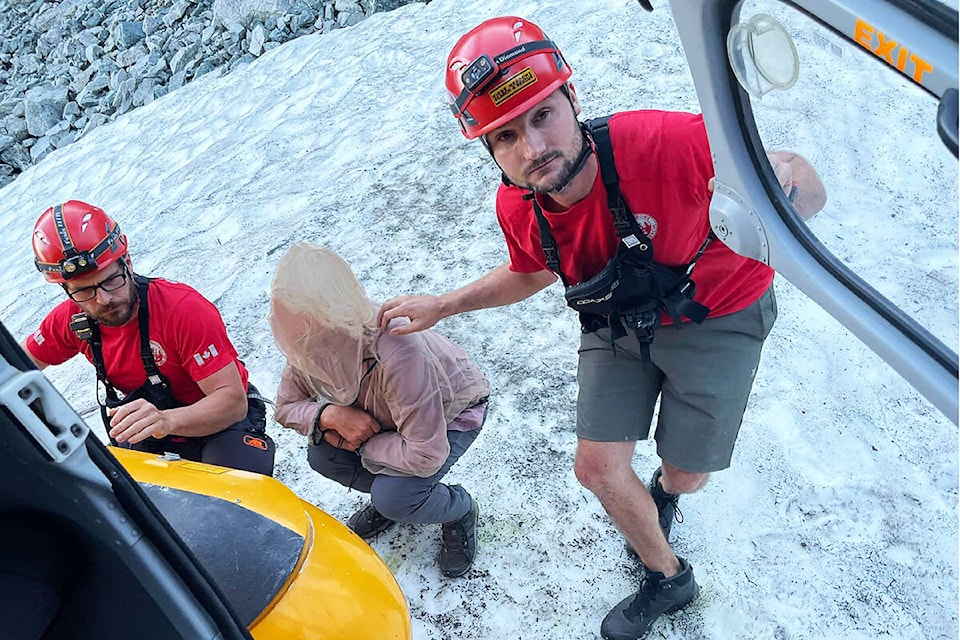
(385, 414)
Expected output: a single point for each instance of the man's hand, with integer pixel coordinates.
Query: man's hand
(783, 170)
(794, 172)
(423, 312)
(347, 427)
(495, 289)
(136, 421)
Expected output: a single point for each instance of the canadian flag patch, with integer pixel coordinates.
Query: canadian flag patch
(206, 354)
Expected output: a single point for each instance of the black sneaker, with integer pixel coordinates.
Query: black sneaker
(368, 522)
(667, 508)
(633, 617)
(459, 543)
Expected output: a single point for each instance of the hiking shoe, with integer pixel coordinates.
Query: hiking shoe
(667, 508)
(459, 543)
(368, 522)
(632, 618)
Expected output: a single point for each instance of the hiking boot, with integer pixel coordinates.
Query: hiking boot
(632, 618)
(667, 508)
(459, 543)
(368, 522)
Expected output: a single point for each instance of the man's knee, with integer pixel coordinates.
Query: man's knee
(677, 481)
(597, 467)
(240, 449)
(586, 471)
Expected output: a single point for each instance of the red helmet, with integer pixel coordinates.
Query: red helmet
(74, 239)
(500, 69)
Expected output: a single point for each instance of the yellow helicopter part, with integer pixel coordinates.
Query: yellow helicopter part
(325, 583)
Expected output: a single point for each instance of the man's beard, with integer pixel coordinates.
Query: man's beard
(119, 314)
(566, 173)
(571, 167)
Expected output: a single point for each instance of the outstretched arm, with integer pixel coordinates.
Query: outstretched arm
(224, 403)
(498, 288)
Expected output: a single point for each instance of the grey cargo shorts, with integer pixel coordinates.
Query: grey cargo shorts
(702, 374)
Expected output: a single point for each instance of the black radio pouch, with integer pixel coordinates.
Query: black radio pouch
(156, 394)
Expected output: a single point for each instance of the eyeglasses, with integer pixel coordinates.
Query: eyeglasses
(86, 294)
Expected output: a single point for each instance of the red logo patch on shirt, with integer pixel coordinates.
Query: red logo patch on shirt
(648, 224)
(159, 353)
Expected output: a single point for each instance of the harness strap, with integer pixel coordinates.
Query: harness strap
(598, 136)
(550, 250)
(678, 303)
(91, 335)
(143, 322)
(627, 226)
(96, 348)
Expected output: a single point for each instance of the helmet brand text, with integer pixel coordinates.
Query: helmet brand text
(514, 85)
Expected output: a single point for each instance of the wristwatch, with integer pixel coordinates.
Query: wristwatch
(316, 433)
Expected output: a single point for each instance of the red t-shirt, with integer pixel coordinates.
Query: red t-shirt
(187, 336)
(664, 163)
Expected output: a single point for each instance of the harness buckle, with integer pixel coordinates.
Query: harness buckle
(80, 325)
(643, 321)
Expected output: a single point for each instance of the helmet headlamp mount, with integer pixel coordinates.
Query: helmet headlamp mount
(483, 71)
(478, 73)
(76, 265)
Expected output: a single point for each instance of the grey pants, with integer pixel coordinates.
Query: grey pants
(400, 498)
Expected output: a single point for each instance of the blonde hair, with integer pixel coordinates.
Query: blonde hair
(314, 282)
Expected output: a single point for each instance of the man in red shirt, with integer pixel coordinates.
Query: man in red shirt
(625, 249)
(171, 379)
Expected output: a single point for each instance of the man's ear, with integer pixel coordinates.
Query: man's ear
(572, 94)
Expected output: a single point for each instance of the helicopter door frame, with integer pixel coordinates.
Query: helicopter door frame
(751, 214)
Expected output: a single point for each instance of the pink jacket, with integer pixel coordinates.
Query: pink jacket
(420, 385)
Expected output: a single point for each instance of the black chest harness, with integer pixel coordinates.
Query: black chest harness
(156, 388)
(632, 290)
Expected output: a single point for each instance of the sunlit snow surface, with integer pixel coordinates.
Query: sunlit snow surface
(838, 518)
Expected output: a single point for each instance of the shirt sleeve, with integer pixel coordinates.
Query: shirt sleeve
(296, 406)
(692, 141)
(53, 342)
(200, 335)
(514, 217)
